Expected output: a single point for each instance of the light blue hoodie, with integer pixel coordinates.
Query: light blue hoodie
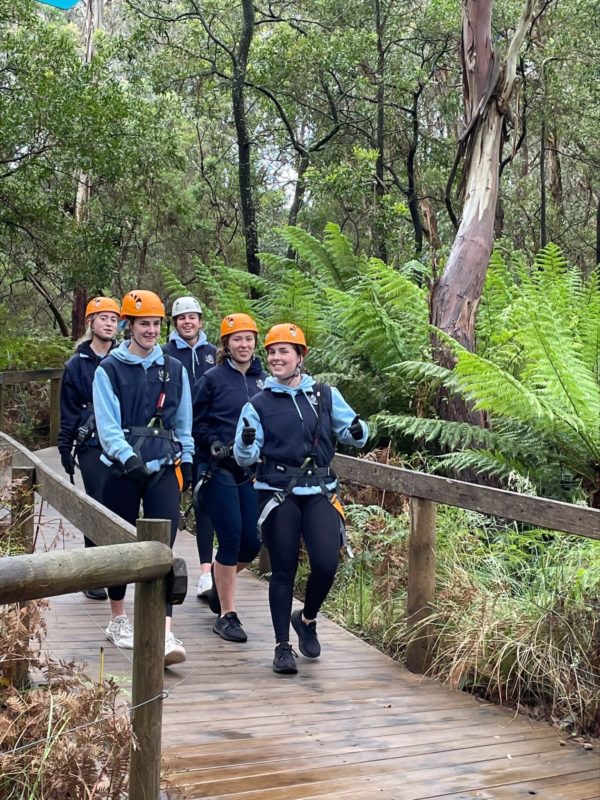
(107, 411)
(341, 418)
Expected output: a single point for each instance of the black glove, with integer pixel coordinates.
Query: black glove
(355, 430)
(186, 474)
(68, 462)
(248, 433)
(136, 470)
(219, 451)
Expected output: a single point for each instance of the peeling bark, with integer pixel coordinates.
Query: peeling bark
(487, 91)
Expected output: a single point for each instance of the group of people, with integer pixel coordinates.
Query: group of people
(144, 423)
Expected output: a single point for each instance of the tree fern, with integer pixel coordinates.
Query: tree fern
(548, 386)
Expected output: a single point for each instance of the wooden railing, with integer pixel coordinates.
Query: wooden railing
(424, 492)
(140, 555)
(30, 376)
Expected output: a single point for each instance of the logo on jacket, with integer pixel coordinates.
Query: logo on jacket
(210, 359)
(163, 376)
(260, 383)
(314, 399)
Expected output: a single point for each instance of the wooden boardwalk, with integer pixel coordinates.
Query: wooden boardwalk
(352, 725)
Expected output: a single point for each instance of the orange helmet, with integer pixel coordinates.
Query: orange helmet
(98, 304)
(237, 322)
(141, 303)
(286, 333)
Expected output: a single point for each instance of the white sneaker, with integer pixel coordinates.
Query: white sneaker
(120, 632)
(174, 650)
(205, 585)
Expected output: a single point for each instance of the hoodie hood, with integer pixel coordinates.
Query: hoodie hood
(305, 385)
(181, 344)
(154, 356)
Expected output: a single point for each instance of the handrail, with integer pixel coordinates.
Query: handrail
(74, 504)
(54, 375)
(552, 514)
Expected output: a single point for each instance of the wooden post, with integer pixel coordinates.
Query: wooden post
(148, 673)
(54, 410)
(1, 406)
(22, 512)
(421, 579)
(22, 509)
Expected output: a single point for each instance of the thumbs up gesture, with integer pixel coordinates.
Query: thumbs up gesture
(248, 433)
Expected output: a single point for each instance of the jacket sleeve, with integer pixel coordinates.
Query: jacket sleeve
(108, 418)
(182, 421)
(70, 411)
(201, 403)
(341, 417)
(248, 454)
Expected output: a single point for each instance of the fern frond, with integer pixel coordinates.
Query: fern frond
(175, 288)
(347, 264)
(311, 250)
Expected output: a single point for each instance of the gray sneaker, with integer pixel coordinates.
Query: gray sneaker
(120, 632)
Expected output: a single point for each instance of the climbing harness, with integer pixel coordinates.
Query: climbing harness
(308, 469)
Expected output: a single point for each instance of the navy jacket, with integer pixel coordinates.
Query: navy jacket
(197, 360)
(76, 396)
(217, 399)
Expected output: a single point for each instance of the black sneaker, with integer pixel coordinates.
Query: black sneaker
(213, 597)
(96, 594)
(307, 636)
(284, 661)
(229, 627)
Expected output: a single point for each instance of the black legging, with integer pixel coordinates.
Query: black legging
(160, 501)
(313, 518)
(93, 474)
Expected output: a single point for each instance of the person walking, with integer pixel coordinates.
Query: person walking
(78, 443)
(224, 488)
(188, 344)
(142, 402)
(289, 429)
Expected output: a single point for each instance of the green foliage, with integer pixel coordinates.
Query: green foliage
(538, 380)
(515, 618)
(29, 352)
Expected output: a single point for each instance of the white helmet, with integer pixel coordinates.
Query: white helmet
(185, 305)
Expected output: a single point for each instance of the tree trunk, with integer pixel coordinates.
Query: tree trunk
(487, 90)
(94, 20)
(247, 203)
(413, 203)
(380, 190)
(543, 201)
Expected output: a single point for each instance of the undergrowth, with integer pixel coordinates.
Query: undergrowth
(62, 737)
(516, 616)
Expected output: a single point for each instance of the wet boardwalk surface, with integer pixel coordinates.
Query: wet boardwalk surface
(352, 724)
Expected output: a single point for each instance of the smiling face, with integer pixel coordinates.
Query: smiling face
(145, 332)
(241, 346)
(104, 325)
(189, 326)
(284, 361)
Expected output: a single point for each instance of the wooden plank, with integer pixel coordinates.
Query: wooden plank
(551, 514)
(99, 524)
(14, 377)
